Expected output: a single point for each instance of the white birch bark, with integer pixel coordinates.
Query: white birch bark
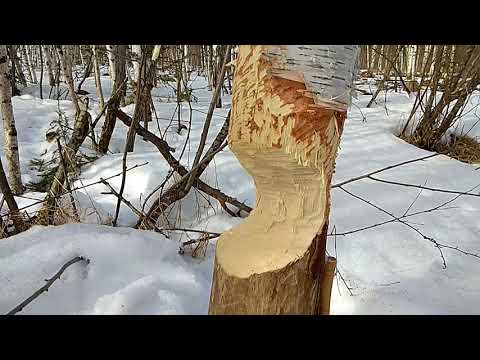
(66, 65)
(18, 66)
(10, 132)
(137, 52)
(82, 59)
(412, 53)
(30, 63)
(26, 59)
(49, 64)
(111, 60)
(98, 80)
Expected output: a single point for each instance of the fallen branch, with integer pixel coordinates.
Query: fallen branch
(126, 202)
(120, 197)
(194, 230)
(173, 193)
(47, 285)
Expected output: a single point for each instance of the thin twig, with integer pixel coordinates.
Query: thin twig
(78, 188)
(381, 170)
(422, 187)
(47, 285)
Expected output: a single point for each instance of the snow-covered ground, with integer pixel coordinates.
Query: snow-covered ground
(390, 269)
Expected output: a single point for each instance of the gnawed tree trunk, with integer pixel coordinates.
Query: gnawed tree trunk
(288, 108)
(9, 129)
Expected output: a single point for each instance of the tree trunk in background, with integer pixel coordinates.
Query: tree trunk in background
(179, 74)
(10, 200)
(137, 53)
(40, 52)
(65, 62)
(31, 65)
(111, 60)
(98, 80)
(210, 66)
(219, 53)
(419, 58)
(80, 131)
(411, 61)
(370, 59)
(12, 79)
(144, 97)
(363, 57)
(111, 117)
(49, 63)
(376, 59)
(18, 66)
(27, 62)
(9, 130)
(273, 262)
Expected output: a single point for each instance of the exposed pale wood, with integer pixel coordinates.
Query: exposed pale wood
(285, 130)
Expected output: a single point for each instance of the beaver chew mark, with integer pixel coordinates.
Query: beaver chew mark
(281, 124)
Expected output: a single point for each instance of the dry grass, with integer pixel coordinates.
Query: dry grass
(463, 148)
(62, 211)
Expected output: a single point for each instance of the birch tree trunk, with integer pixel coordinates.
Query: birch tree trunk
(27, 62)
(31, 64)
(49, 63)
(9, 130)
(10, 200)
(376, 59)
(112, 107)
(144, 97)
(111, 60)
(80, 131)
(66, 65)
(289, 105)
(18, 66)
(137, 52)
(98, 80)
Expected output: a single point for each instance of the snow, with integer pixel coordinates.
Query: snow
(130, 272)
(390, 269)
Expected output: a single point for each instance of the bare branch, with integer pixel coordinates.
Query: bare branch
(47, 285)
